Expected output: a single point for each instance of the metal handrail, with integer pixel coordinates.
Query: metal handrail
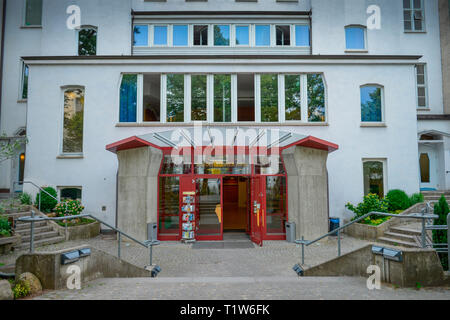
(38, 187)
(423, 216)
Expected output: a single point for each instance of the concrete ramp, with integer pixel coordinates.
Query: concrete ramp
(53, 274)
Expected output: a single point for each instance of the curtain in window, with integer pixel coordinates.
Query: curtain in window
(128, 98)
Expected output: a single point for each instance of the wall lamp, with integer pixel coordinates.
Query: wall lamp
(298, 270)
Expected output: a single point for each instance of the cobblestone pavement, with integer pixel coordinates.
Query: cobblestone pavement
(241, 288)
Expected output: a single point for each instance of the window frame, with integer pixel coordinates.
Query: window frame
(60, 188)
(152, 36)
(295, 35)
(384, 162)
(412, 11)
(148, 35)
(383, 108)
(271, 31)
(24, 66)
(425, 86)
(249, 26)
(64, 89)
(230, 27)
(356, 26)
(189, 36)
(24, 14)
(290, 25)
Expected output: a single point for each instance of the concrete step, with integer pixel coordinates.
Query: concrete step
(399, 236)
(435, 198)
(26, 225)
(18, 214)
(397, 242)
(40, 236)
(406, 231)
(40, 243)
(25, 232)
(436, 192)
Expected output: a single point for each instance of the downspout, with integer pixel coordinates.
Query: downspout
(2, 54)
(310, 33)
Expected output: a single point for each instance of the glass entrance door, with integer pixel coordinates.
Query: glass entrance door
(210, 216)
(257, 210)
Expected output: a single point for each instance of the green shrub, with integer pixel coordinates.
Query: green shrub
(21, 290)
(371, 202)
(416, 198)
(440, 236)
(25, 198)
(397, 200)
(5, 227)
(47, 202)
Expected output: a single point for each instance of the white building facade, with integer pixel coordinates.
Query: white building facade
(348, 78)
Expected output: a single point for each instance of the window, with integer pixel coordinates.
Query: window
(73, 121)
(140, 36)
(413, 15)
(373, 172)
(221, 35)
(169, 205)
(283, 34)
(152, 98)
(201, 35)
(175, 98)
(33, 12)
(70, 193)
(128, 98)
(302, 37)
(222, 98)
(276, 204)
(160, 35)
(246, 97)
(424, 162)
(198, 98)
(293, 97)
(242, 35)
(262, 35)
(87, 42)
(316, 98)
(355, 38)
(421, 86)
(180, 35)
(24, 86)
(269, 97)
(371, 103)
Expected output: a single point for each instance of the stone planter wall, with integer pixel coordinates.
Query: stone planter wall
(368, 232)
(81, 232)
(7, 243)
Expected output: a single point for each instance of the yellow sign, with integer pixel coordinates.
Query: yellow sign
(219, 213)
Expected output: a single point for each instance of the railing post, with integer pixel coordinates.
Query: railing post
(424, 244)
(448, 239)
(40, 196)
(303, 250)
(151, 254)
(32, 232)
(120, 241)
(339, 242)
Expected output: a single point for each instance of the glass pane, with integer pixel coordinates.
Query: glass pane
(417, 25)
(373, 178)
(169, 205)
(160, 36)
(198, 97)
(407, 4)
(246, 97)
(354, 37)
(283, 34)
(421, 91)
(33, 13)
(262, 35)
(140, 36)
(371, 104)
(276, 205)
(316, 98)
(73, 121)
(272, 164)
(407, 15)
(152, 97)
(222, 35)
(180, 36)
(420, 79)
(200, 35)
(128, 98)
(71, 194)
(302, 36)
(422, 101)
(222, 98)
(208, 194)
(175, 98)
(220, 165)
(293, 97)
(242, 35)
(176, 164)
(408, 25)
(424, 168)
(269, 97)
(87, 42)
(25, 82)
(420, 68)
(417, 4)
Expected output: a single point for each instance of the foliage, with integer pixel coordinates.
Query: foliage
(222, 98)
(269, 98)
(440, 236)
(20, 290)
(371, 107)
(87, 39)
(25, 198)
(416, 198)
(11, 147)
(47, 202)
(69, 208)
(175, 98)
(198, 100)
(73, 121)
(371, 202)
(397, 200)
(5, 227)
(293, 97)
(316, 98)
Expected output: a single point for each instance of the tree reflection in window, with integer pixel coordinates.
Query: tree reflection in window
(73, 121)
(371, 104)
(316, 98)
(87, 42)
(175, 98)
(222, 98)
(373, 178)
(199, 97)
(293, 97)
(269, 97)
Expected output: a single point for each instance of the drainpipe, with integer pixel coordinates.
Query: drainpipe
(310, 33)
(2, 54)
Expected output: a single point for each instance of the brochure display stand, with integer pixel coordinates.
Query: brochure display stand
(188, 217)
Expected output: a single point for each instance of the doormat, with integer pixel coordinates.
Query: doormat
(223, 245)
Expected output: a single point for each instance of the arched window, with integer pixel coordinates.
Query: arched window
(355, 38)
(372, 97)
(87, 41)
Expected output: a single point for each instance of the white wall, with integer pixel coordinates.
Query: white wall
(97, 171)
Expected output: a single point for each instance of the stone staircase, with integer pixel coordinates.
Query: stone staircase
(43, 232)
(436, 195)
(404, 236)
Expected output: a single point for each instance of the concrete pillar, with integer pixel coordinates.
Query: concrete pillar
(307, 190)
(138, 189)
